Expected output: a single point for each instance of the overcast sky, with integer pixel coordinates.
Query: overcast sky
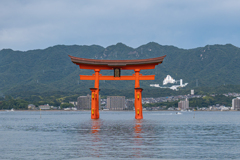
(26, 24)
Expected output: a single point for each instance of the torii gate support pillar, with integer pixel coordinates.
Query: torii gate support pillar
(138, 96)
(94, 105)
(138, 103)
(95, 96)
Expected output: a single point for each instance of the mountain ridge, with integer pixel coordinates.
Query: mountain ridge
(51, 69)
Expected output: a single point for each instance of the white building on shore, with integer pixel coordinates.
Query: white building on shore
(44, 107)
(183, 105)
(116, 102)
(236, 103)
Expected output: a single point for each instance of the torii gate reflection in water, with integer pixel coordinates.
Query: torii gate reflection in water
(117, 66)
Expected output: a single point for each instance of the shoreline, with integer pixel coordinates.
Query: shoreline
(110, 111)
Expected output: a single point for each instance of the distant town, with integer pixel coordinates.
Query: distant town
(120, 103)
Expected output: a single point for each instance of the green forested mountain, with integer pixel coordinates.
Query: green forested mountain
(51, 70)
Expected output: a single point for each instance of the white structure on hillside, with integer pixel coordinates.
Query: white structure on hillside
(192, 92)
(169, 79)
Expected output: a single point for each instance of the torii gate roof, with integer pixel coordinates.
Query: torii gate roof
(85, 63)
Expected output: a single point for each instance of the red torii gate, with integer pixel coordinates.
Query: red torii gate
(117, 66)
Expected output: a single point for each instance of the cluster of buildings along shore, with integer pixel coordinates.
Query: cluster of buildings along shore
(118, 103)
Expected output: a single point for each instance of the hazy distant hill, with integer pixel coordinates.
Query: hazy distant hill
(52, 70)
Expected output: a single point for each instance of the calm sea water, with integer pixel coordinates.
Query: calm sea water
(116, 135)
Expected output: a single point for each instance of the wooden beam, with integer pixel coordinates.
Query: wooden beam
(129, 67)
(141, 77)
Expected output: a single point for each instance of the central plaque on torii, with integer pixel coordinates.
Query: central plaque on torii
(117, 66)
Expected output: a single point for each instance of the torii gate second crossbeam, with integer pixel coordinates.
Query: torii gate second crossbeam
(117, 66)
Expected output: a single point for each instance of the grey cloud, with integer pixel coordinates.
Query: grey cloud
(187, 24)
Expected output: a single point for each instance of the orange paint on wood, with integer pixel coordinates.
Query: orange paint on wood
(94, 105)
(130, 67)
(136, 65)
(141, 77)
(138, 103)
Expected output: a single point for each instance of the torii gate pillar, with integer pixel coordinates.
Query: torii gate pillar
(138, 103)
(138, 96)
(95, 104)
(95, 97)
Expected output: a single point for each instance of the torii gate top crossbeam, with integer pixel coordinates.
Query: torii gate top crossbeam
(85, 63)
